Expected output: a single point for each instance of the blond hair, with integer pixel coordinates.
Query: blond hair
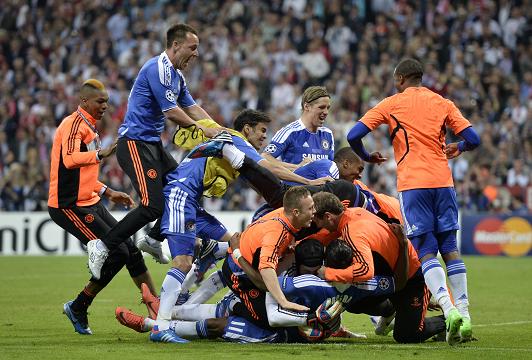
(96, 84)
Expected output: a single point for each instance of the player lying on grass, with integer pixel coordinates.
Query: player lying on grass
(316, 325)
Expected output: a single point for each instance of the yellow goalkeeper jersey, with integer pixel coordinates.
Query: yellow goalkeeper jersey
(218, 172)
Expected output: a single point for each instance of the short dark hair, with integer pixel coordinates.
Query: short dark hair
(292, 198)
(178, 32)
(250, 117)
(346, 153)
(338, 255)
(327, 202)
(309, 252)
(410, 69)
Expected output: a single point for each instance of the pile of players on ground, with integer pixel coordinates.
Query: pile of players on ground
(289, 277)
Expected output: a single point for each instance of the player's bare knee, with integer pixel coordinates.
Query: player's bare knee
(215, 327)
(453, 255)
(183, 263)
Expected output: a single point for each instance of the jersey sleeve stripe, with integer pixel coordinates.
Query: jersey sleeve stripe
(363, 267)
(335, 173)
(72, 136)
(164, 70)
(283, 134)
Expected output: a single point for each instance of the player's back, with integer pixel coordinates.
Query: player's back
(360, 226)
(144, 118)
(264, 240)
(158, 87)
(417, 120)
(188, 176)
(317, 169)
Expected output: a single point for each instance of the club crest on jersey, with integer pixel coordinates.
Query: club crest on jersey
(325, 144)
(169, 95)
(254, 293)
(384, 284)
(190, 226)
(89, 218)
(152, 173)
(271, 148)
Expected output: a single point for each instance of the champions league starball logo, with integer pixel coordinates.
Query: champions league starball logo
(384, 284)
(169, 95)
(270, 148)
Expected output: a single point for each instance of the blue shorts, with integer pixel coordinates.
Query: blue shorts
(183, 220)
(429, 210)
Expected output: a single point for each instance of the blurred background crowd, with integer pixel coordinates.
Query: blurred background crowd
(262, 55)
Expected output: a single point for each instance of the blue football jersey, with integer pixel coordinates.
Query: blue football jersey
(158, 87)
(294, 142)
(316, 170)
(311, 291)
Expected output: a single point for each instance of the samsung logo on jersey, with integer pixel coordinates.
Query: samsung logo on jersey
(315, 156)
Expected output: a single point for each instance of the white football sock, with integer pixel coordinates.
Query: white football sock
(435, 280)
(189, 329)
(148, 324)
(169, 292)
(456, 272)
(207, 289)
(192, 312)
(222, 249)
(190, 279)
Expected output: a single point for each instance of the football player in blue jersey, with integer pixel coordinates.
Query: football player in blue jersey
(183, 218)
(305, 139)
(345, 165)
(160, 92)
(287, 326)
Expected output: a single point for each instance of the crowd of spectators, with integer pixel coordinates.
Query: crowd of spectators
(262, 54)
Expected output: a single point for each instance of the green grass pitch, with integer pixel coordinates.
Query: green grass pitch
(32, 326)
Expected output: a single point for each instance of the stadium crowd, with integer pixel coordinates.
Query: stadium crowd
(262, 55)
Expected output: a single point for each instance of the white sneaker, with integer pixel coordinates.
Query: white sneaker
(383, 325)
(97, 252)
(154, 248)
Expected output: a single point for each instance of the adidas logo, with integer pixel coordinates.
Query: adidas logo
(463, 297)
(441, 289)
(305, 144)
